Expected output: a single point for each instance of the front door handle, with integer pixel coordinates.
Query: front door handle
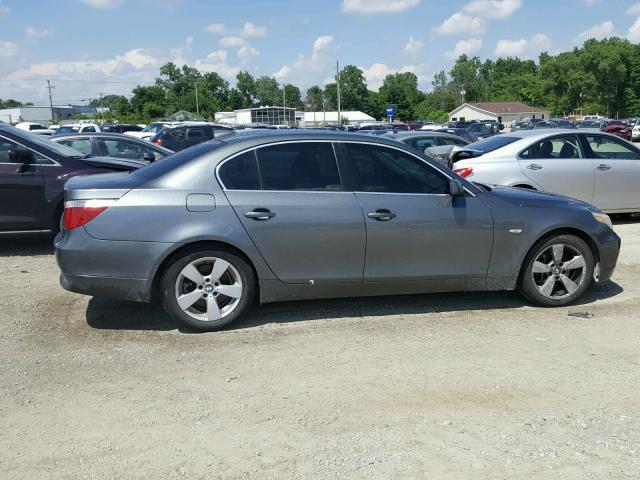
(603, 167)
(382, 214)
(535, 166)
(260, 214)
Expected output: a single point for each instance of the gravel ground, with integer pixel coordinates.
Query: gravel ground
(438, 386)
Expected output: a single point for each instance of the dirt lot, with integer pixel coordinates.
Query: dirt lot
(431, 386)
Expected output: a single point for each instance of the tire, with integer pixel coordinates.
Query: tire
(207, 289)
(547, 282)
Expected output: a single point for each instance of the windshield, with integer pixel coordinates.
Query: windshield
(44, 142)
(153, 127)
(66, 130)
(492, 143)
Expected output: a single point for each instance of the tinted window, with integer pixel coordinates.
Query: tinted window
(241, 173)
(177, 134)
(6, 145)
(127, 149)
(607, 147)
(556, 147)
(299, 166)
(422, 143)
(452, 141)
(89, 129)
(201, 134)
(381, 169)
(65, 130)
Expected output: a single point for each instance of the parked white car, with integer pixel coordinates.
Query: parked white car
(591, 166)
(635, 133)
(150, 130)
(30, 126)
(77, 128)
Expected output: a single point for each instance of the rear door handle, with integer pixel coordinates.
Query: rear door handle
(382, 214)
(260, 214)
(535, 166)
(603, 166)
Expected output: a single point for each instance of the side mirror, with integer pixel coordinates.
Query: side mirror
(149, 157)
(455, 188)
(22, 157)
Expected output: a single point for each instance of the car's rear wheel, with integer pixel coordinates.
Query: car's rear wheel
(208, 289)
(557, 271)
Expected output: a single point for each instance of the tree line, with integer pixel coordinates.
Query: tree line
(601, 76)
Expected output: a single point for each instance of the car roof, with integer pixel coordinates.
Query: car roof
(108, 135)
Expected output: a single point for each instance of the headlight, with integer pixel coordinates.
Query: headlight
(602, 218)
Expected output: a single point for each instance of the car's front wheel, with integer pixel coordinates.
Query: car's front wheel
(557, 271)
(208, 289)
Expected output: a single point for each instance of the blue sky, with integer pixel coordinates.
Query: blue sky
(91, 46)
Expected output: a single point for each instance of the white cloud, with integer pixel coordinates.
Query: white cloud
(523, 47)
(216, 28)
(247, 53)
(600, 31)
(412, 46)
(306, 70)
(634, 31)
(103, 4)
(493, 9)
(377, 6)
(8, 49)
(34, 34)
(461, 24)
(634, 9)
(465, 47)
(217, 62)
(231, 42)
(591, 3)
(3, 10)
(251, 30)
(377, 72)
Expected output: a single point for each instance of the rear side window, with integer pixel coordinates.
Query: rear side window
(556, 147)
(241, 172)
(303, 166)
(199, 134)
(382, 169)
(177, 134)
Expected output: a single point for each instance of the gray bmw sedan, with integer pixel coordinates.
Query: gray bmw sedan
(288, 215)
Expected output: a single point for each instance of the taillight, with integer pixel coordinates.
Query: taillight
(158, 142)
(80, 212)
(464, 172)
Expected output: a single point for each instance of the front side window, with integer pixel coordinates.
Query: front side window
(382, 169)
(307, 166)
(607, 147)
(126, 149)
(82, 145)
(566, 146)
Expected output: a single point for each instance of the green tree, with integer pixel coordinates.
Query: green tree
(353, 89)
(246, 86)
(314, 98)
(267, 92)
(401, 90)
(292, 96)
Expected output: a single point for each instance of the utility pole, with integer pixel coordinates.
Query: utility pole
(324, 113)
(338, 88)
(101, 109)
(49, 87)
(197, 104)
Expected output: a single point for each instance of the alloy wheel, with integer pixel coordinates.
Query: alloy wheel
(208, 289)
(558, 271)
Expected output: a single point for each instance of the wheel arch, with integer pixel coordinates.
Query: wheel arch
(581, 234)
(199, 244)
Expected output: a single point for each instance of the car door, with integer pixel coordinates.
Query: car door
(21, 192)
(616, 166)
(415, 229)
(289, 198)
(558, 164)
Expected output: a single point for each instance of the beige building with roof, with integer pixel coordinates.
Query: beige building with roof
(506, 113)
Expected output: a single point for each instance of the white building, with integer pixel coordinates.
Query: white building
(42, 114)
(289, 116)
(506, 113)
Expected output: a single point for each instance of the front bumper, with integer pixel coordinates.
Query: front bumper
(609, 248)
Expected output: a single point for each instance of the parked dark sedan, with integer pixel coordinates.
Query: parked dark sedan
(187, 135)
(33, 170)
(113, 145)
(121, 128)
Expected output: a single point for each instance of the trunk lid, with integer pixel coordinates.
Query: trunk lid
(113, 163)
(100, 186)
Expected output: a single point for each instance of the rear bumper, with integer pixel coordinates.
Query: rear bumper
(116, 269)
(111, 287)
(609, 248)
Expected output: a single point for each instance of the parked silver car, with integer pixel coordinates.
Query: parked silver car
(591, 166)
(288, 215)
